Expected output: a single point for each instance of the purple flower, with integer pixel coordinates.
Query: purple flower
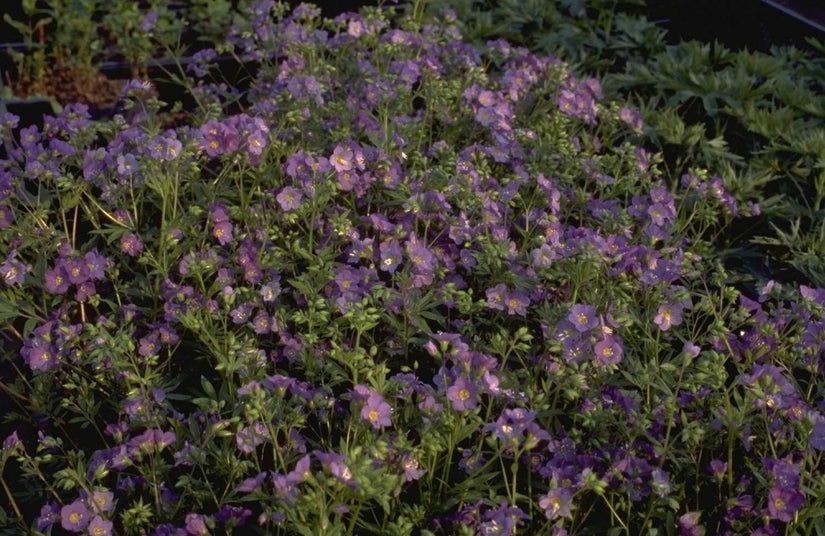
(718, 468)
(13, 270)
(517, 303)
(668, 315)
(557, 503)
(783, 503)
(49, 515)
(271, 290)
(250, 437)
(39, 354)
(583, 317)
(632, 118)
(462, 394)
(242, 313)
(785, 474)
(252, 483)
(127, 165)
(149, 345)
(100, 527)
(390, 251)
(608, 350)
(376, 411)
(289, 198)
(196, 524)
(222, 230)
(165, 147)
(257, 136)
(334, 464)
(511, 424)
(262, 323)
(95, 264)
(409, 464)
(102, 501)
(689, 525)
(152, 440)
(12, 440)
(496, 297)
(131, 245)
(232, 515)
(660, 483)
(342, 158)
(75, 517)
(218, 138)
(56, 281)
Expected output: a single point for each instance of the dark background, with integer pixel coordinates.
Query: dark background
(755, 24)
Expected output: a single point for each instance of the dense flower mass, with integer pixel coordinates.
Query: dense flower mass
(397, 286)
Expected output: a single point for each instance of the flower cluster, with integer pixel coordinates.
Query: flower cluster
(408, 286)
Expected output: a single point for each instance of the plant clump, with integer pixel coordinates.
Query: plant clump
(398, 286)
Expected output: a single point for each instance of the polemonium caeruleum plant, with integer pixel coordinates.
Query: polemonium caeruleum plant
(397, 287)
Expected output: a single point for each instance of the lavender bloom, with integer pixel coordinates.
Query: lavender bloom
(252, 483)
(583, 317)
(783, 503)
(102, 501)
(718, 468)
(152, 440)
(218, 138)
(689, 525)
(785, 474)
(668, 315)
(100, 527)
(262, 323)
(127, 165)
(250, 437)
(342, 158)
(608, 350)
(95, 264)
(75, 517)
(334, 464)
(409, 464)
(511, 424)
(557, 503)
(131, 245)
(232, 515)
(632, 118)
(376, 411)
(149, 345)
(242, 313)
(496, 297)
(39, 354)
(390, 251)
(196, 524)
(660, 483)
(56, 280)
(289, 198)
(222, 230)
(49, 515)
(11, 441)
(462, 394)
(13, 270)
(165, 147)
(517, 303)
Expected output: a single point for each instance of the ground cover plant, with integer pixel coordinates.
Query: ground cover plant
(753, 117)
(399, 286)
